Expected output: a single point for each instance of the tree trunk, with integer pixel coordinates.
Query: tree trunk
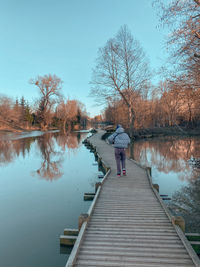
(64, 126)
(131, 121)
(131, 130)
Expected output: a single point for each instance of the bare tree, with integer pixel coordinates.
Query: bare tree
(67, 112)
(5, 109)
(9, 114)
(183, 19)
(121, 69)
(49, 88)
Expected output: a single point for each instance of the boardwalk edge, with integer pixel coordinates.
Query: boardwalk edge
(74, 252)
(180, 233)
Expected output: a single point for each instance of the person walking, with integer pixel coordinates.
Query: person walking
(120, 140)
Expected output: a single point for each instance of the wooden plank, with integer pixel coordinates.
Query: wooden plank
(129, 212)
(129, 220)
(123, 259)
(154, 231)
(131, 233)
(86, 263)
(69, 231)
(67, 240)
(88, 197)
(135, 236)
(132, 224)
(133, 227)
(194, 242)
(126, 240)
(116, 243)
(136, 249)
(125, 253)
(192, 234)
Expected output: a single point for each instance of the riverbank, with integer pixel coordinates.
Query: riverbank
(8, 134)
(16, 129)
(166, 131)
(160, 131)
(21, 130)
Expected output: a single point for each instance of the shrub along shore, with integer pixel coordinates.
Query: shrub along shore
(160, 131)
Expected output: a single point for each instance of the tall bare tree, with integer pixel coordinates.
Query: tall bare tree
(49, 88)
(183, 19)
(121, 69)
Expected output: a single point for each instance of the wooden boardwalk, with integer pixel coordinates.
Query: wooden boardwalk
(128, 224)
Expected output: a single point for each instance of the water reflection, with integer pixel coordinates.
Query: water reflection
(69, 140)
(51, 147)
(9, 150)
(186, 202)
(50, 168)
(170, 154)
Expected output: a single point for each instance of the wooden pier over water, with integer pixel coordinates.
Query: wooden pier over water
(128, 224)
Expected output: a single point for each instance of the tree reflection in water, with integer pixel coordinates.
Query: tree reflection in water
(52, 158)
(52, 147)
(69, 140)
(10, 149)
(6, 152)
(169, 154)
(186, 202)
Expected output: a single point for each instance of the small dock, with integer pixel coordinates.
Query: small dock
(128, 224)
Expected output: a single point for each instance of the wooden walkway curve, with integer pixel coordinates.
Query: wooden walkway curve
(128, 224)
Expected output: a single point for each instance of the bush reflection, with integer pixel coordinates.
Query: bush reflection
(186, 202)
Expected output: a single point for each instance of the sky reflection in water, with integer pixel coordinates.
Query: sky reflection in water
(42, 182)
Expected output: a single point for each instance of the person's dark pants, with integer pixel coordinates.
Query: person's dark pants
(120, 157)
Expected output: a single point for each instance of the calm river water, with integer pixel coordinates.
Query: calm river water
(43, 178)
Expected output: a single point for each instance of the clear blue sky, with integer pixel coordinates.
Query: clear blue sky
(62, 37)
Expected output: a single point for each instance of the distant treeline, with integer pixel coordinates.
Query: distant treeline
(174, 104)
(50, 110)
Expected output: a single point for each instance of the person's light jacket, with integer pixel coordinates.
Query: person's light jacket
(119, 138)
